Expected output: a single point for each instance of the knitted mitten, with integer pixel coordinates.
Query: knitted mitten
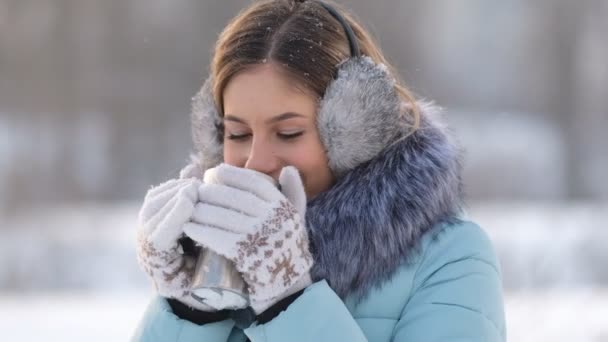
(166, 208)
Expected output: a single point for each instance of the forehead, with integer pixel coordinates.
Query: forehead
(262, 91)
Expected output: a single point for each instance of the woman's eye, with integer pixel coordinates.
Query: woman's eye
(288, 136)
(238, 136)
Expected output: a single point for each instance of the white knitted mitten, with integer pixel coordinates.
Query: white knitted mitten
(246, 218)
(166, 208)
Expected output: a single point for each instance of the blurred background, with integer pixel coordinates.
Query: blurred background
(94, 109)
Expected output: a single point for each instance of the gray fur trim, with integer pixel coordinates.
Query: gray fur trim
(371, 221)
(359, 114)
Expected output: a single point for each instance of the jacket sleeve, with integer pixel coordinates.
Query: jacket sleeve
(317, 315)
(457, 291)
(161, 324)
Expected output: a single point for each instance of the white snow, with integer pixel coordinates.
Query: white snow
(71, 316)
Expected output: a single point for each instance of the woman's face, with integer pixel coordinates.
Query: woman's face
(269, 124)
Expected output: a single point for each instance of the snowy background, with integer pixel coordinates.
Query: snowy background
(94, 105)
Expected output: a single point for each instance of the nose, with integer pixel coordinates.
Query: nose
(263, 159)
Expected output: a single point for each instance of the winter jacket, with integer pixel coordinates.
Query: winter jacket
(394, 259)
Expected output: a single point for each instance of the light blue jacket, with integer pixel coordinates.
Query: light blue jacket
(451, 291)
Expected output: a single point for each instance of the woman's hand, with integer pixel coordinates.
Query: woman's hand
(243, 216)
(166, 208)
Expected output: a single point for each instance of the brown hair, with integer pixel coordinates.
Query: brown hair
(300, 37)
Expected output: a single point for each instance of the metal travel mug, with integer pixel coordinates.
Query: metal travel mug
(216, 281)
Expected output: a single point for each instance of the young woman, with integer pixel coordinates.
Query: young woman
(363, 239)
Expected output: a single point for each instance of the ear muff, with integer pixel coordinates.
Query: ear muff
(207, 129)
(357, 118)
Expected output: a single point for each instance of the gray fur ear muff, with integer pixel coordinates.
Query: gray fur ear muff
(207, 133)
(359, 115)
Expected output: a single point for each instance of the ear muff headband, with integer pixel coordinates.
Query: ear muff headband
(352, 40)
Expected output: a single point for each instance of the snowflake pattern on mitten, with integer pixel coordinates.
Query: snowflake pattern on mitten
(267, 254)
(174, 272)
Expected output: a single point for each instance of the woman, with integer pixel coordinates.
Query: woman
(364, 237)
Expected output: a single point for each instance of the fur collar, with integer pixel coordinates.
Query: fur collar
(370, 222)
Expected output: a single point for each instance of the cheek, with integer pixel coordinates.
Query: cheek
(311, 161)
(234, 155)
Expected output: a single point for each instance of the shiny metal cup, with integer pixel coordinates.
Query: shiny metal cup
(217, 283)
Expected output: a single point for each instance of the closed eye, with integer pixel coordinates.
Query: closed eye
(238, 136)
(283, 136)
(290, 136)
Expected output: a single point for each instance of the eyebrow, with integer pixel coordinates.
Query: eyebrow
(274, 119)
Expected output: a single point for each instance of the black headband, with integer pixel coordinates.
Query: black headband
(352, 40)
